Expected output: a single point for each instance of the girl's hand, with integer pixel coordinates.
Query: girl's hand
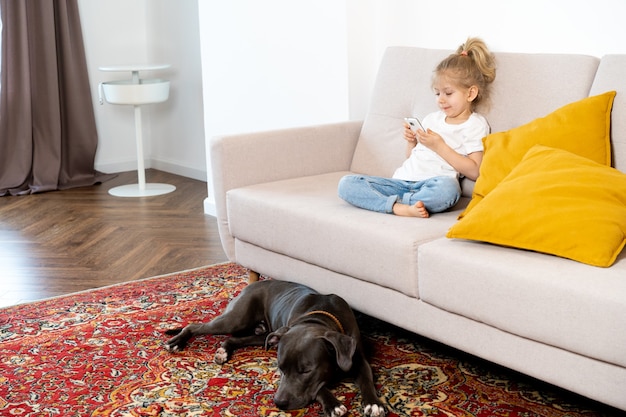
(430, 139)
(409, 136)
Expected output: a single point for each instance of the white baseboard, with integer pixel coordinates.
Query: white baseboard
(119, 166)
(178, 169)
(161, 165)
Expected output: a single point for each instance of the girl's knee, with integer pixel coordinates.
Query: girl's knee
(346, 183)
(448, 193)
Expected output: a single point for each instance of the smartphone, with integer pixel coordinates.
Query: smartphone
(414, 123)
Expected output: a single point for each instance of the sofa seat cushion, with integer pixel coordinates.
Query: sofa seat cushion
(540, 297)
(303, 218)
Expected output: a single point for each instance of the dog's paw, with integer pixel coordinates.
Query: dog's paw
(179, 341)
(174, 347)
(175, 344)
(338, 411)
(221, 356)
(374, 410)
(171, 346)
(261, 328)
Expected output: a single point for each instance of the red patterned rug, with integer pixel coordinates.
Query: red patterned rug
(100, 353)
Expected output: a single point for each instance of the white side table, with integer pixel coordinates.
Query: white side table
(136, 92)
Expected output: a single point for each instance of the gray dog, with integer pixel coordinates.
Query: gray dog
(317, 336)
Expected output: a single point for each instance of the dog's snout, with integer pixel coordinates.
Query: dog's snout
(282, 403)
(286, 400)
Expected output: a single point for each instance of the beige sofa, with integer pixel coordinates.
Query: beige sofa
(555, 319)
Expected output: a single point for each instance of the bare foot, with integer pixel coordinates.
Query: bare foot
(416, 210)
(420, 210)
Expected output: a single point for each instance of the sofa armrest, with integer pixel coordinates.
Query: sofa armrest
(247, 159)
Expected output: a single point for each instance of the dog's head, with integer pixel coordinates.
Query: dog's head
(308, 359)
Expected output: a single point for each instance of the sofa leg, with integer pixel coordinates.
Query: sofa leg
(253, 276)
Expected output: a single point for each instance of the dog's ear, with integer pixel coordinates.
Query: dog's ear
(273, 338)
(344, 346)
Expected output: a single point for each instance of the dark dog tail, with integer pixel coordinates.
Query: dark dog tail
(174, 332)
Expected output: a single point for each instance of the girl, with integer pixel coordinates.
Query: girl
(428, 181)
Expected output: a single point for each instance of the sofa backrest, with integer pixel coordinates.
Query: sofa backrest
(527, 86)
(611, 75)
(402, 89)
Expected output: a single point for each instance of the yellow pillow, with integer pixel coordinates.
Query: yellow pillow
(554, 202)
(582, 127)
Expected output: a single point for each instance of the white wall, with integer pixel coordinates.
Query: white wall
(177, 128)
(272, 64)
(534, 26)
(123, 32)
(114, 34)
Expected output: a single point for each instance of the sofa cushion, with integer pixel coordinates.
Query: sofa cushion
(582, 127)
(554, 202)
(552, 300)
(304, 219)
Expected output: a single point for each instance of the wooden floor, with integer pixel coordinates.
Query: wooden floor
(65, 241)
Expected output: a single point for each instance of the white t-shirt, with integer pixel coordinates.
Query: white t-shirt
(464, 138)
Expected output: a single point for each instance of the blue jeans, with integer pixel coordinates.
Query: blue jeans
(380, 194)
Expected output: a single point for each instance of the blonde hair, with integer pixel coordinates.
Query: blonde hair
(471, 64)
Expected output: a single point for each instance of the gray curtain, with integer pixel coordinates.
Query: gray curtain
(48, 135)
